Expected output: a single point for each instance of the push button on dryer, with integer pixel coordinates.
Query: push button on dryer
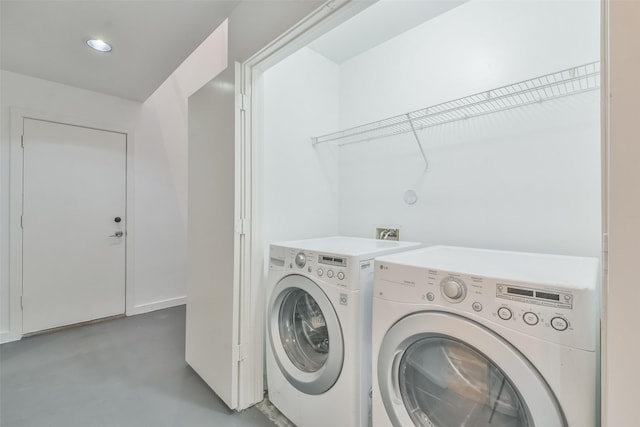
(559, 324)
(530, 318)
(504, 313)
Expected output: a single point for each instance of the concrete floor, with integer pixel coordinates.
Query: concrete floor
(128, 372)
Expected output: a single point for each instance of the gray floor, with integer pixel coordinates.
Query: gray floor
(123, 372)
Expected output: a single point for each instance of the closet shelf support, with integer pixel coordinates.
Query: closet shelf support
(415, 134)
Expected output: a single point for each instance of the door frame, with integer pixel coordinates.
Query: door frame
(18, 115)
(328, 16)
(249, 172)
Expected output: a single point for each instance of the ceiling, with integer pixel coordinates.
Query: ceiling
(150, 38)
(378, 23)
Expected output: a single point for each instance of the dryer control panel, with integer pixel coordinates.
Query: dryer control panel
(565, 314)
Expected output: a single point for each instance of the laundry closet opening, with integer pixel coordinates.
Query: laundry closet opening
(524, 178)
(461, 123)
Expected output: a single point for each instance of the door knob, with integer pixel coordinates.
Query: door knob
(117, 234)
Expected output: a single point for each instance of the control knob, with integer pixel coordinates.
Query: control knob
(453, 289)
(301, 259)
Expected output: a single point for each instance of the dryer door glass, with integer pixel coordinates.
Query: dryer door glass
(444, 383)
(303, 331)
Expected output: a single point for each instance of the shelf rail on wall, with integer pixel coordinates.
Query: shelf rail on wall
(575, 80)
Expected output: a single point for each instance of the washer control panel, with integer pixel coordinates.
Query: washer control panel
(558, 313)
(330, 268)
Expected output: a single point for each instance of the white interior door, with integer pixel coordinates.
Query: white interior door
(74, 188)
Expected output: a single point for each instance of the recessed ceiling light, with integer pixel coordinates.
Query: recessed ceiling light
(100, 45)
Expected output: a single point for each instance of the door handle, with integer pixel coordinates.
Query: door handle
(117, 234)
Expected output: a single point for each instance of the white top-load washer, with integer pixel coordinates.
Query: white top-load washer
(319, 328)
(483, 338)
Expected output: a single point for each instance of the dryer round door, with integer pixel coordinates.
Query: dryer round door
(305, 334)
(440, 370)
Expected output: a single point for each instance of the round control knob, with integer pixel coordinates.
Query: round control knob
(320, 272)
(329, 274)
(453, 289)
(530, 318)
(559, 324)
(301, 259)
(340, 275)
(504, 313)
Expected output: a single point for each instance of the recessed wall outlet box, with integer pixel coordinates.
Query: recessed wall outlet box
(388, 233)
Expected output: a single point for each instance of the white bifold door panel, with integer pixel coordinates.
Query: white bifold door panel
(213, 342)
(73, 224)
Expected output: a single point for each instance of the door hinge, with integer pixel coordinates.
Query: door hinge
(22, 301)
(22, 141)
(242, 100)
(605, 254)
(240, 352)
(241, 226)
(22, 221)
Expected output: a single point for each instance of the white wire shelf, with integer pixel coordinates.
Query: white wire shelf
(583, 78)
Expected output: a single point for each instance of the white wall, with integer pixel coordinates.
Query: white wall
(301, 98)
(157, 169)
(160, 183)
(527, 179)
(479, 45)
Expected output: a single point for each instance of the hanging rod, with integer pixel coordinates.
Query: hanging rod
(575, 80)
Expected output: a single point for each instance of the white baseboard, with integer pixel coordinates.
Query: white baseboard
(8, 336)
(156, 305)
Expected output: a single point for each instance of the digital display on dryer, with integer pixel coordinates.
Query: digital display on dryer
(518, 291)
(546, 295)
(534, 296)
(332, 260)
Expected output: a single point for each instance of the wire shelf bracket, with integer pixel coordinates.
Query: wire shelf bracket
(415, 134)
(572, 81)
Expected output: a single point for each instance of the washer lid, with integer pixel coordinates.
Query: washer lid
(349, 246)
(305, 334)
(439, 370)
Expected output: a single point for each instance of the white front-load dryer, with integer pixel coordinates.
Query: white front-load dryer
(319, 327)
(481, 338)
